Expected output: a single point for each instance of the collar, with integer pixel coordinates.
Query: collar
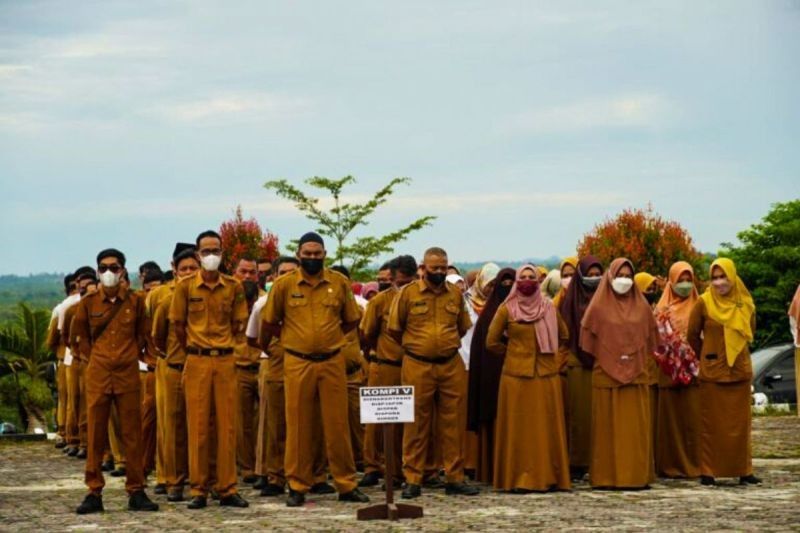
(303, 278)
(423, 286)
(199, 281)
(122, 294)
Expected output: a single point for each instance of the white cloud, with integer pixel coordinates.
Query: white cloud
(254, 105)
(644, 110)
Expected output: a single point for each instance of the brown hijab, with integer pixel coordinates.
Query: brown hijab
(676, 307)
(619, 330)
(573, 305)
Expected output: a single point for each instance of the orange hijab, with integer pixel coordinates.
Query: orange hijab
(619, 330)
(794, 309)
(673, 305)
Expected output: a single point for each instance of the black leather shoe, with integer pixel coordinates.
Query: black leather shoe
(260, 483)
(160, 489)
(370, 479)
(92, 503)
(749, 480)
(119, 472)
(707, 481)
(233, 500)
(140, 502)
(322, 488)
(175, 496)
(60, 444)
(271, 489)
(452, 489)
(295, 499)
(354, 495)
(72, 452)
(214, 495)
(198, 502)
(433, 482)
(107, 466)
(81, 454)
(66, 449)
(411, 491)
(252, 478)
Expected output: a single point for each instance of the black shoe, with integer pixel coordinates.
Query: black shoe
(140, 502)
(160, 489)
(577, 473)
(175, 496)
(198, 502)
(370, 479)
(271, 489)
(92, 503)
(452, 489)
(295, 499)
(214, 495)
(107, 466)
(749, 480)
(433, 482)
(60, 444)
(708, 481)
(119, 472)
(354, 495)
(66, 449)
(72, 452)
(233, 500)
(81, 454)
(252, 478)
(411, 491)
(260, 483)
(322, 488)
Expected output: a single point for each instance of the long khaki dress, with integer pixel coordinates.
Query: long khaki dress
(530, 434)
(678, 435)
(724, 395)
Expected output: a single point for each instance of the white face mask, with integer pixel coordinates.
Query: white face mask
(621, 285)
(211, 262)
(565, 282)
(109, 279)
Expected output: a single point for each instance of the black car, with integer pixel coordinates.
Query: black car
(774, 373)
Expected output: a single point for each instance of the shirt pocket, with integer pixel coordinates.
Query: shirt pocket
(418, 313)
(196, 310)
(451, 311)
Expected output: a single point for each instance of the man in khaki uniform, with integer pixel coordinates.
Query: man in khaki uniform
(208, 310)
(108, 329)
(385, 361)
(428, 318)
(170, 400)
(151, 279)
(311, 309)
(56, 346)
(247, 367)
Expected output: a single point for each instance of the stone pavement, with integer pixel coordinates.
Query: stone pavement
(39, 489)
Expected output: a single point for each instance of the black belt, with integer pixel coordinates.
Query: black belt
(377, 360)
(316, 357)
(209, 352)
(176, 366)
(435, 360)
(250, 368)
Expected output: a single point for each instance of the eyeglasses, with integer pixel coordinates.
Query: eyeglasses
(115, 268)
(205, 252)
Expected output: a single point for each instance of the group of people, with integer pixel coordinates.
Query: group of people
(524, 379)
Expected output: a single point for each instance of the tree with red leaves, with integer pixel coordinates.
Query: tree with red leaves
(644, 237)
(244, 238)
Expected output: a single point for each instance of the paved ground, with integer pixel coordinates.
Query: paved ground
(39, 489)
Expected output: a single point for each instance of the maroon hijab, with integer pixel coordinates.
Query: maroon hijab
(574, 304)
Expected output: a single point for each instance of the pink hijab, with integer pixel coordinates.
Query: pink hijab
(536, 309)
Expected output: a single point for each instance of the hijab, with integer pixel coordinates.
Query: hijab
(643, 280)
(534, 309)
(573, 305)
(371, 287)
(552, 283)
(478, 292)
(673, 305)
(734, 310)
(619, 329)
(794, 313)
(485, 368)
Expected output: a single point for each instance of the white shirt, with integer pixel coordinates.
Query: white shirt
(466, 340)
(254, 322)
(68, 302)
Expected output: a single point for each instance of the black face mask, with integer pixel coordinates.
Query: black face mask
(503, 291)
(312, 266)
(250, 290)
(436, 279)
(651, 297)
(383, 286)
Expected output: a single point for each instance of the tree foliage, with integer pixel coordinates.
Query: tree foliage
(340, 221)
(644, 237)
(768, 261)
(245, 238)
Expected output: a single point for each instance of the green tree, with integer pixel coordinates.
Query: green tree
(24, 359)
(768, 261)
(340, 221)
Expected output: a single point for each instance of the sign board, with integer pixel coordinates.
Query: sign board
(387, 405)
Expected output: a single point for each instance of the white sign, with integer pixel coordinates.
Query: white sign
(68, 357)
(387, 405)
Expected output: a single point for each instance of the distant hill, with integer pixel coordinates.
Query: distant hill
(549, 263)
(37, 290)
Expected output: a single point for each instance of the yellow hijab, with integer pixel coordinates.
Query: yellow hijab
(643, 280)
(734, 310)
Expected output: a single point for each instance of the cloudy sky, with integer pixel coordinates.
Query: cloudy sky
(137, 124)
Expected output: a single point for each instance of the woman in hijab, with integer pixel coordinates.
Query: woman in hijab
(479, 291)
(721, 326)
(620, 332)
(647, 285)
(794, 323)
(579, 365)
(677, 447)
(566, 271)
(551, 284)
(484, 378)
(531, 447)
(370, 290)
